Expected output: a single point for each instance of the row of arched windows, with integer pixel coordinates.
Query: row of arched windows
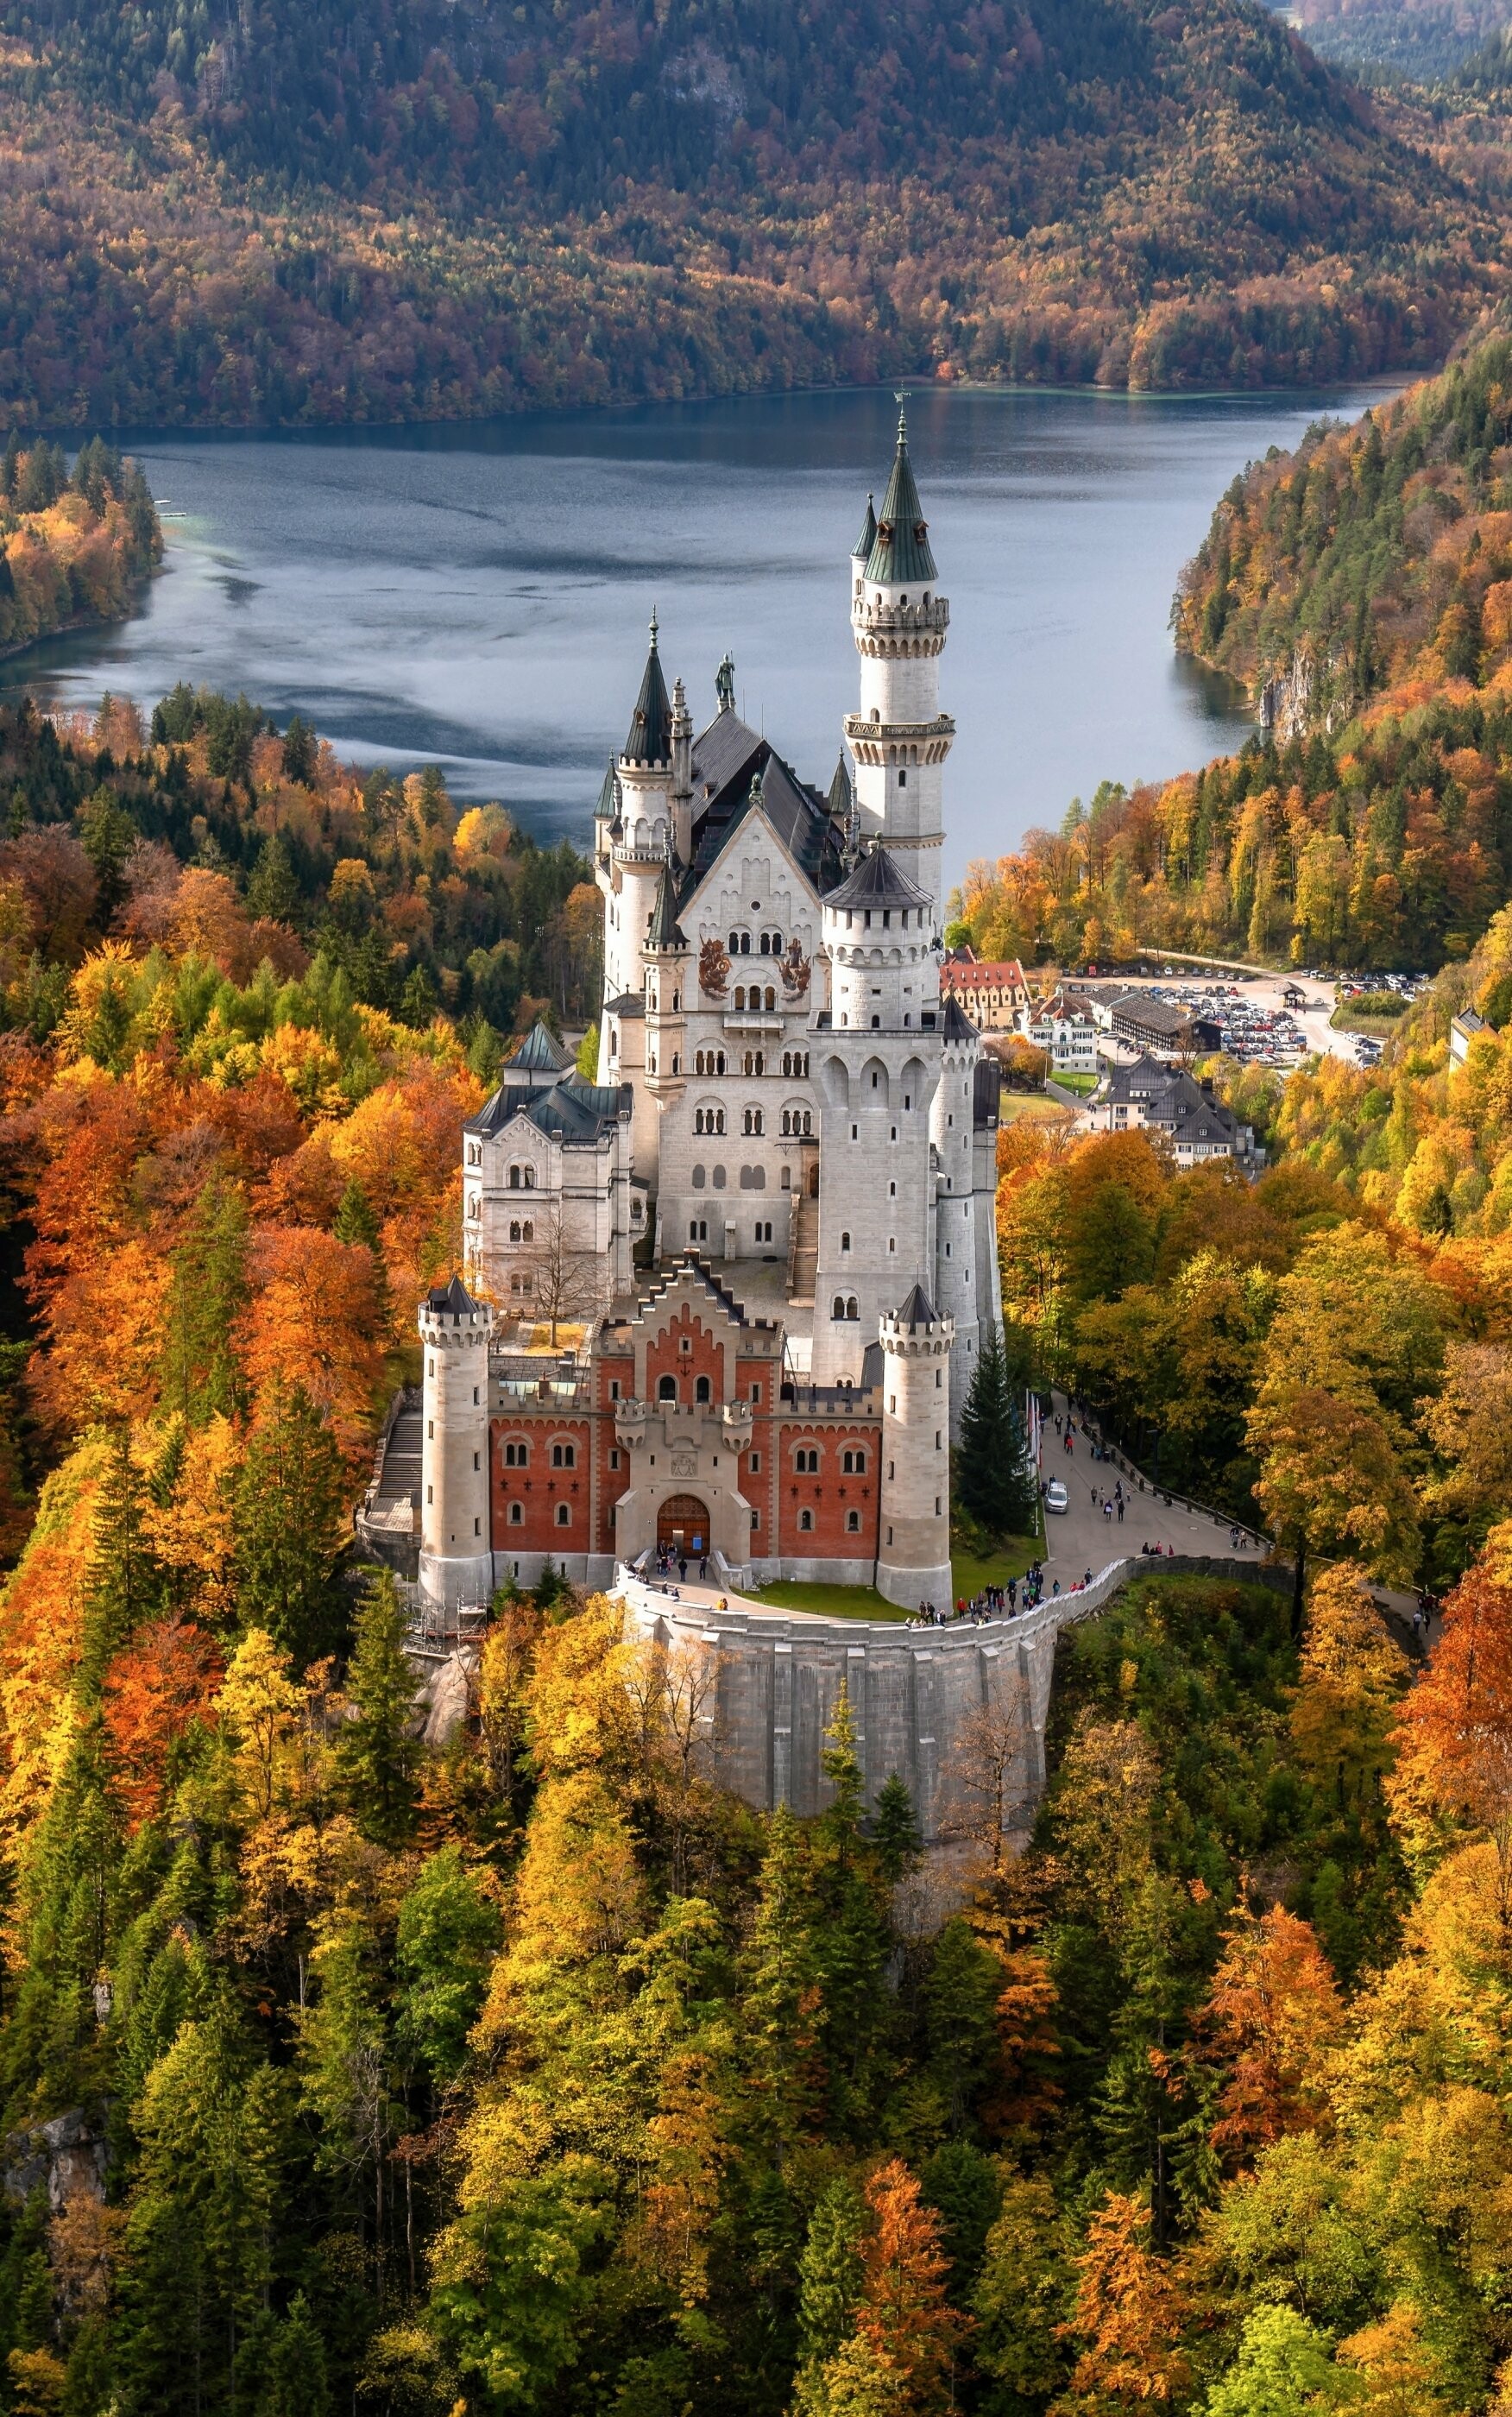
(754, 1001)
(798, 1123)
(708, 1061)
(521, 1178)
(516, 1514)
(768, 944)
(517, 1455)
(805, 1461)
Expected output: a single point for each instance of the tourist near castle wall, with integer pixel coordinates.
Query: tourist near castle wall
(931, 1704)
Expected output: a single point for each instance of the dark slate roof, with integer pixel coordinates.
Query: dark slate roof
(798, 814)
(955, 1023)
(538, 1051)
(861, 550)
(877, 881)
(450, 1301)
(917, 1310)
(987, 1094)
(650, 737)
(840, 793)
(727, 748)
(901, 551)
(629, 1002)
(607, 796)
(665, 932)
(578, 1110)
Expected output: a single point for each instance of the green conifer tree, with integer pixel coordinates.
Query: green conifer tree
(895, 1830)
(356, 1222)
(831, 2275)
(779, 2020)
(201, 1372)
(991, 1480)
(273, 892)
(290, 1527)
(379, 1754)
(124, 1585)
(850, 1931)
(292, 2378)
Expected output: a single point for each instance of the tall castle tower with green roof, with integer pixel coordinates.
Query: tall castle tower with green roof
(900, 737)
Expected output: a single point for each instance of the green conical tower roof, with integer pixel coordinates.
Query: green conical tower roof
(902, 552)
(867, 539)
(665, 931)
(840, 790)
(650, 739)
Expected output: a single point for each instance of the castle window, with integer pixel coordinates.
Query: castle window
(719, 1172)
(478, 1527)
(514, 1178)
(563, 1515)
(755, 1520)
(805, 1461)
(429, 1367)
(614, 1388)
(845, 1241)
(703, 1390)
(876, 1025)
(698, 1229)
(902, 779)
(755, 1464)
(837, 1307)
(431, 1429)
(853, 1523)
(892, 1191)
(805, 1521)
(854, 1464)
(563, 1455)
(613, 1457)
(753, 1121)
(700, 1178)
(517, 1455)
(852, 1312)
(429, 1492)
(876, 1079)
(771, 1002)
(756, 1393)
(667, 1389)
(763, 1229)
(475, 1463)
(517, 1515)
(740, 1001)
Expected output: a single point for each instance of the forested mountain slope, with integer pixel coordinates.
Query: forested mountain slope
(302, 212)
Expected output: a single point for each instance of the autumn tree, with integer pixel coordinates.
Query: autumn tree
(1270, 2014)
(1352, 1677)
(290, 1534)
(1128, 2315)
(1455, 1731)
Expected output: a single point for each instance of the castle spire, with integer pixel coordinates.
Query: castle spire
(650, 737)
(860, 550)
(901, 551)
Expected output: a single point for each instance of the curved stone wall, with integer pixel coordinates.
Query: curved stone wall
(932, 1704)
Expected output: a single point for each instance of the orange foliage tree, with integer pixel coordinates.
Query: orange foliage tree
(163, 1680)
(1455, 1734)
(313, 1321)
(1271, 2012)
(904, 2317)
(1129, 2313)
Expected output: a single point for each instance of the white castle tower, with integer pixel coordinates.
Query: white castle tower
(455, 1552)
(914, 1551)
(879, 1067)
(635, 820)
(900, 737)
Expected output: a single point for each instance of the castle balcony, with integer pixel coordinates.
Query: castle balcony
(746, 1019)
(892, 742)
(649, 856)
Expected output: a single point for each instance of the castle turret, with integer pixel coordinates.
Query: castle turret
(666, 977)
(644, 776)
(456, 1549)
(957, 1258)
(900, 737)
(879, 1068)
(682, 776)
(914, 1554)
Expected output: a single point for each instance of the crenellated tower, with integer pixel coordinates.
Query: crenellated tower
(639, 831)
(878, 1065)
(456, 1549)
(900, 737)
(914, 1550)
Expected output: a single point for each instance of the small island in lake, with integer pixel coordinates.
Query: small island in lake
(73, 549)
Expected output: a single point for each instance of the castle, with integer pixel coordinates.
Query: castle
(772, 1212)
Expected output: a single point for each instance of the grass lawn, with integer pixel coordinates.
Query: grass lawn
(1082, 1084)
(970, 1575)
(832, 1602)
(1031, 1107)
(1377, 1028)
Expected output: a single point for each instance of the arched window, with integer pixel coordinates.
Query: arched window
(853, 1523)
(517, 1455)
(667, 1389)
(806, 1460)
(703, 1390)
(854, 1464)
(528, 1231)
(838, 1308)
(751, 1123)
(514, 1229)
(771, 1001)
(514, 1178)
(852, 1312)
(563, 1515)
(563, 1455)
(805, 1521)
(845, 1241)
(517, 1515)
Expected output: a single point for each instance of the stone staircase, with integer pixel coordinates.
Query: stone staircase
(803, 1252)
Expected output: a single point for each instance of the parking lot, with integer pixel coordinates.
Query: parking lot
(1258, 1026)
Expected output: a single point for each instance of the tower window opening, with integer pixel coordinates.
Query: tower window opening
(563, 1515)
(845, 1241)
(805, 1521)
(876, 1023)
(852, 1312)
(902, 779)
(517, 1515)
(805, 1462)
(703, 1390)
(517, 1455)
(853, 1523)
(563, 1455)
(667, 1389)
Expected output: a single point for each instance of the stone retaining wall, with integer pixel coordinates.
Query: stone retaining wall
(935, 1705)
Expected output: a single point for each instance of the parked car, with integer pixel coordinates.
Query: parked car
(1056, 1496)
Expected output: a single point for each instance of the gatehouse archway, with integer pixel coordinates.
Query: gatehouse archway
(683, 1527)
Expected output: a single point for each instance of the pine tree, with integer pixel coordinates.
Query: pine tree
(357, 1221)
(379, 1754)
(990, 1476)
(293, 2368)
(831, 2273)
(125, 1584)
(273, 893)
(895, 1830)
(290, 1529)
(779, 2005)
(201, 1372)
(850, 1934)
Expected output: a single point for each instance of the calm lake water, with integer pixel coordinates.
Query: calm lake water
(479, 595)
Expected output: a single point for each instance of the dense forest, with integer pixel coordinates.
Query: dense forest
(74, 547)
(524, 2071)
(1362, 587)
(283, 214)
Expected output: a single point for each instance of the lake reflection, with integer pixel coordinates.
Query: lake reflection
(479, 594)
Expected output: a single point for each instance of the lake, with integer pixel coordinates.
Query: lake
(479, 595)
